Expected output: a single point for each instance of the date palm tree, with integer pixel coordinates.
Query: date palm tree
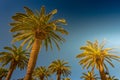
(16, 57)
(95, 55)
(60, 67)
(42, 73)
(89, 76)
(3, 73)
(37, 29)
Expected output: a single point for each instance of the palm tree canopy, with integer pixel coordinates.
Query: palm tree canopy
(3, 72)
(39, 25)
(41, 71)
(89, 76)
(14, 55)
(93, 54)
(60, 67)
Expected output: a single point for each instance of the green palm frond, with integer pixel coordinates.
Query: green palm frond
(87, 48)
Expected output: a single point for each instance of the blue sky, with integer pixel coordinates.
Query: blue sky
(86, 19)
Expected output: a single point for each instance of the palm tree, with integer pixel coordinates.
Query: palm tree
(16, 57)
(60, 67)
(3, 73)
(37, 29)
(41, 73)
(89, 76)
(95, 55)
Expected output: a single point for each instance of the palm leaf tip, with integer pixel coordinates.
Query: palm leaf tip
(11, 30)
(43, 7)
(11, 24)
(26, 8)
(62, 21)
(42, 11)
(54, 11)
(28, 11)
(77, 56)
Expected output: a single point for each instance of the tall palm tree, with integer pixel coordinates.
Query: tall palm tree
(37, 29)
(16, 57)
(89, 76)
(95, 55)
(60, 67)
(42, 73)
(3, 73)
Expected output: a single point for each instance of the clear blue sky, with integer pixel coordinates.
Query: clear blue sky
(87, 20)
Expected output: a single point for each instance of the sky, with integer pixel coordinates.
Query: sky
(86, 20)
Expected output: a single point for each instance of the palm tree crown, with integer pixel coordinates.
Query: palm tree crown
(60, 67)
(41, 73)
(94, 54)
(3, 73)
(38, 25)
(89, 76)
(16, 57)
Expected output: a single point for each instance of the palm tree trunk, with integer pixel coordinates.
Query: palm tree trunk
(11, 69)
(41, 77)
(58, 76)
(102, 73)
(0, 78)
(33, 58)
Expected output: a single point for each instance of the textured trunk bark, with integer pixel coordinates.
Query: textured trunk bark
(58, 76)
(0, 78)
(33, 58)
(11, 69)
(102, 73)
(42, 78)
